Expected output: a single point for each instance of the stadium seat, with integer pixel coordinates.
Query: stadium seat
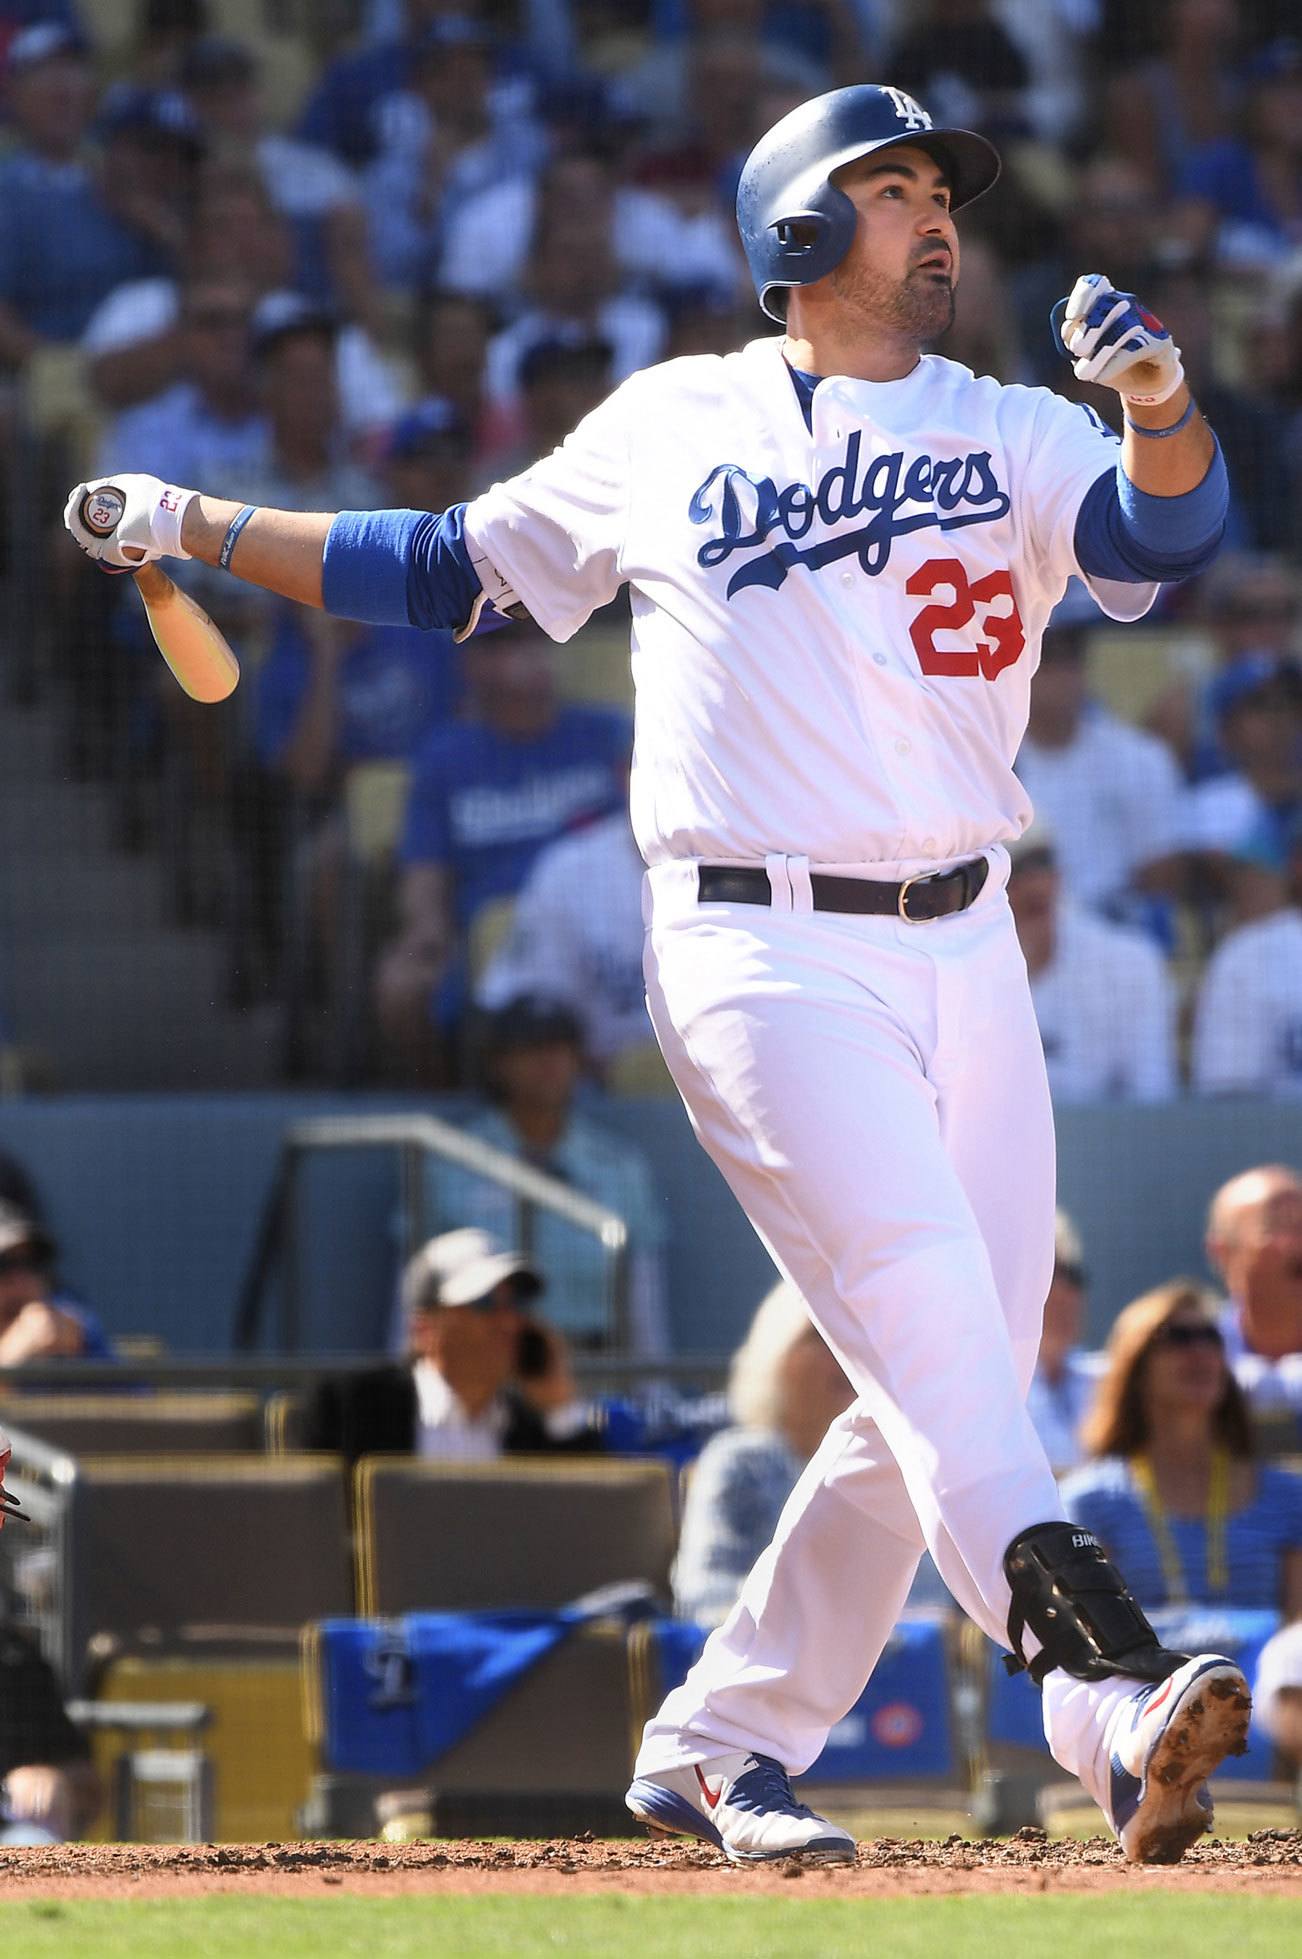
(437, 1536)
(1131, 666)
(137, 1424)
(236, 1546)
(530, 1743)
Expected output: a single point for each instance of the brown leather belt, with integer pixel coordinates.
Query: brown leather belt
(917, 899)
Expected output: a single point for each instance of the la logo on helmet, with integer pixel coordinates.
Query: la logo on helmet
(910, 113)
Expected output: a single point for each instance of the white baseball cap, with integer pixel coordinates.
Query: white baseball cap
(459, 1268)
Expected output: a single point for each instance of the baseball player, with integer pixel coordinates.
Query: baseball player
(842, 551)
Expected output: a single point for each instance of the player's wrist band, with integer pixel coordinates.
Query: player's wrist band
(1160, 435)
(232, 537)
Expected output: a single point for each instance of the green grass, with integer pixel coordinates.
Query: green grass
(1080, 1927)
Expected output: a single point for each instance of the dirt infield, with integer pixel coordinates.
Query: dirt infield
(1267, 1863)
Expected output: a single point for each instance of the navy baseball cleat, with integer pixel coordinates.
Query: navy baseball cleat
(1166, 1740)
(743, 1805)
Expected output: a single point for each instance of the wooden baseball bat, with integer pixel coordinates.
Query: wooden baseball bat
(197, 653)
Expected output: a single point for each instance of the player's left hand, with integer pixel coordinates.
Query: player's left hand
(1111, 338)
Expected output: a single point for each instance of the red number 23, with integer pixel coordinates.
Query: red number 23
(999, 637)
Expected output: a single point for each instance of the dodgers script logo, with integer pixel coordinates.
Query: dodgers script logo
(928, 495)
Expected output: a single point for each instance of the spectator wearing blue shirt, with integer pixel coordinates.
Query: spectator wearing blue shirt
(488, 793)
(1172, 1489)
(68, 235)
(446, 141)
(37, 1322)
(1239, 194)
(532, 1051)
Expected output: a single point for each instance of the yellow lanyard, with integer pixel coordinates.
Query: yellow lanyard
(1218, 1512)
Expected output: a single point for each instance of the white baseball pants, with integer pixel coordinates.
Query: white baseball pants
(874, 1093)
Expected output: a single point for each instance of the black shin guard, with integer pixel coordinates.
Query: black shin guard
(1069, 1593)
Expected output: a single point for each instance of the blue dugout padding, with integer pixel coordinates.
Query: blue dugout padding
(901, 1727)
(1013, 1716)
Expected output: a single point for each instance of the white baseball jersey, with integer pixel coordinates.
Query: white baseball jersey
(834, 630)
(1248, 1027)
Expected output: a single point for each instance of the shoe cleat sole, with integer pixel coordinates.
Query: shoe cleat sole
(1212, 1724)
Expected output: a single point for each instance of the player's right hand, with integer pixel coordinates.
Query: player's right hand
(149, 525)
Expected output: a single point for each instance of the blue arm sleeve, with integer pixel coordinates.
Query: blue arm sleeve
(1125, 534)
(399, 568)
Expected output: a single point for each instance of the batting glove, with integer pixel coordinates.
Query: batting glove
(1109, 337)
(145, 514)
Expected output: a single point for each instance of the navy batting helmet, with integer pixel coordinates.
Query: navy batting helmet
(796, 226)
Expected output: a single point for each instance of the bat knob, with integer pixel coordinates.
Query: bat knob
(101, 510)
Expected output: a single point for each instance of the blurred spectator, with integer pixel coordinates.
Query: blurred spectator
(18, 1188)
(1256, 707)
(958, 58)
(532, 1051)
(363, 92)
(306, 466)
(487, 795)
(576, 935)
(1161, 110)
(315, 193)
(1109, 793)
(1261, 513)
(659, 90)
(1241, 196)
(1277, 1692)
(38, 1322)
(443, 146)
(1254, 1244)
(572, 286)
(984, 335)
(49, 1789)
(164, 31)
(332, 693)
(49, 195)
(662, 240)
(560, 381)
(785, 1389)
(1172, 1491)
(450, 336)
(1253, 608)
(135, 343)
(1066, 1374)
(1248, 1024)
(696, 164)
(482, 1374)
(209, 419)
(1111, 219)
(1103, 998)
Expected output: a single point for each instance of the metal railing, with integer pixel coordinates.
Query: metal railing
(416, 1139)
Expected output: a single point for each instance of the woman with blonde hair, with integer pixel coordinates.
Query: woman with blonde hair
(1172, 1491)
(785, 1388)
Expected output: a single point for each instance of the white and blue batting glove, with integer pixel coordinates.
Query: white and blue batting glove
(125, 521)
(1110, 337)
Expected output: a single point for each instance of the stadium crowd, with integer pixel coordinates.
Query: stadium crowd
(397, 252)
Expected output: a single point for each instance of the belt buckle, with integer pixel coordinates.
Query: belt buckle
(902, 901)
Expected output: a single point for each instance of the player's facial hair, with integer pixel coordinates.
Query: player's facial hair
(919, 307)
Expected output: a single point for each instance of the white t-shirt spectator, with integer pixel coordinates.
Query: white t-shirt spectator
(488, 241)
(633, 328)
(1248, 1024)
(369, 394)
(1220, 814)
(577, 934)
(1106, 1010)
(1111, 797)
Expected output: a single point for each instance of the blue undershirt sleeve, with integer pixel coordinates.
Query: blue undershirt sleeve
(400, 568)
(1123, 533)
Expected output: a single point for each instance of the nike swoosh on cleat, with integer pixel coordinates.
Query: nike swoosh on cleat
(711, 1795)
